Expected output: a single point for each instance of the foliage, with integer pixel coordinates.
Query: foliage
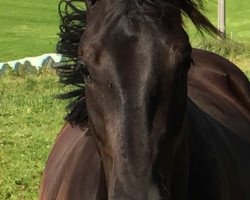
(25, 69)
(6, 70)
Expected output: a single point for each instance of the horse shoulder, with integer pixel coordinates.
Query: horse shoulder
(220, 89)
(73, 168)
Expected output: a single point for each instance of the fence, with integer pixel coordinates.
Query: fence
(222, 16)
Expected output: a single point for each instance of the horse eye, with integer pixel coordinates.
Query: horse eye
(84, 71)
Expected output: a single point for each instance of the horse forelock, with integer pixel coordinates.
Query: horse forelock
(193, 9)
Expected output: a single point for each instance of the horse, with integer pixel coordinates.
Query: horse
(152, 118)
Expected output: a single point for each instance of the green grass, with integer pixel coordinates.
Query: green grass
(237, 20)
(30, 118)
(236, 47)
(27, 28)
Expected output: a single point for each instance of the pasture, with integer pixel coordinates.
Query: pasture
(30, 116)
(28, 28)
(237, 19)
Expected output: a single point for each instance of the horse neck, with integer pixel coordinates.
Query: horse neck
(171, 166)
(170, 170)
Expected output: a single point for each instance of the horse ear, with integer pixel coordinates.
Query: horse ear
(89, 4)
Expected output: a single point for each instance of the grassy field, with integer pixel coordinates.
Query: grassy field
(27, 28)
(30, 116)
(237, 20)
(237, 47)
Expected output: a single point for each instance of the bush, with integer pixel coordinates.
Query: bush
(25, 69)
(6, 70)
(47, 66)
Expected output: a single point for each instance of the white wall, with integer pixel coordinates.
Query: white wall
(35, 61)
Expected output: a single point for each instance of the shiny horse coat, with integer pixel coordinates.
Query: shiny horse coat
(62, 178)
(154, 120)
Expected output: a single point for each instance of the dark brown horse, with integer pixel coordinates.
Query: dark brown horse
(143, 127)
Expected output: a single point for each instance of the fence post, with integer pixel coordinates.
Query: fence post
(222, 16)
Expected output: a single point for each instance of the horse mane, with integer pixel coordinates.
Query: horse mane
(73, 23)
(193, 10)
(72, 26)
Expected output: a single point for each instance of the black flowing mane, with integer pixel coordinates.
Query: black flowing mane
(73, 23)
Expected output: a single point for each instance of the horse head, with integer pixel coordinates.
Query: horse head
(130, 68)
(137, 55)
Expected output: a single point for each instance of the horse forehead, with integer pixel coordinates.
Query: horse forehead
(102, 14)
